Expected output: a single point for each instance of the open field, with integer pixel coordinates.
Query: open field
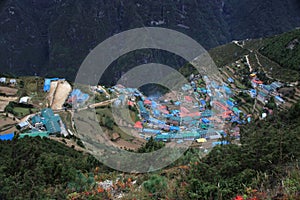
(21, 112)
(7, 125)
(4, 101)
(7, 91)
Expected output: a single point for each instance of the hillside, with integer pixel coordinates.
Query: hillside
(263, 167)
(277, 57)
(51, 38)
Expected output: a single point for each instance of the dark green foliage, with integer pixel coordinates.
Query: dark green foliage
(35, 168)
(226, 54)
(268, 149)
(151, 146)
(56, 36)
(284, 49)
(79, 143)
(156, 185)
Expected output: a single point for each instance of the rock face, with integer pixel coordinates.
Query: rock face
(52, 37)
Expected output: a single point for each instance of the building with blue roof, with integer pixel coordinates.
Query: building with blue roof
(203, 102)
(7, 137)
(253, 93)
(207, 113)
(174, 128)
(205, 121)
(230, 103)
(144, 113)
(177, 103)
(230, 80)
(156, 113)
(267, 89)
(262, 97)
(227, 90)
(151, 131)
(276, 85)
(173, 118)
(220, 143)
(278, 99)
(47, 83)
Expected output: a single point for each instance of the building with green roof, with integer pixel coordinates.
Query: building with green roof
(34, 134)
(36, 119)
(50, 120)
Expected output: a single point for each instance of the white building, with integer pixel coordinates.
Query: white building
(24, 100)
(2, 80)
(13, 81)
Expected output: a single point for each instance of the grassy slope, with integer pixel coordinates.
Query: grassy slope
(272, 53)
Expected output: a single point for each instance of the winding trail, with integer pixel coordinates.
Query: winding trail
(249, 64)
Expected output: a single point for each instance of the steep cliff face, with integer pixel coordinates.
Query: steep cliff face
(52, 37)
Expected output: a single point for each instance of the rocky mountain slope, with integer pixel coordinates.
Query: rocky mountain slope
(52, 37)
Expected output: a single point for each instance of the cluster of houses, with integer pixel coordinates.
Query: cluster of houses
(190, 117)
(4, 80)
(198, 113)
(264, 92)
(43, 124)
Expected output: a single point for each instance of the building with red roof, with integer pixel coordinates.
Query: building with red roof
(188, 98)
(130, 103)
(147, 102)
(138, 125)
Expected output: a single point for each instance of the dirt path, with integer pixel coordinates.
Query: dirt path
(262, 68)
(248, 62)
(51, 93)
(103, 103)
(104, 90)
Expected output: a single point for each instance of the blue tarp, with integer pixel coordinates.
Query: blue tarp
(142, 107)
(175, 118)
(207, 113)
(175, 111)
(153, 104)
(155, 121)
(177, 103)
(203, 102)
(230, 80)
(220, 143)
(205, 121)
(279, 98)
(174, 128)
(151, 131)
(227, 90)
(230, 103)
(80, 96)
(47, 83)
(5, 137)
(156, 113)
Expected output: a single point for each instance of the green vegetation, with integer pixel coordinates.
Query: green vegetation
(284, 49)
(35, 168)
(277, 56)
(20, 110)
(227, 54)
(267, 158)
(107, 120)
(66, 118)
(156, 185)
(151, 146)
